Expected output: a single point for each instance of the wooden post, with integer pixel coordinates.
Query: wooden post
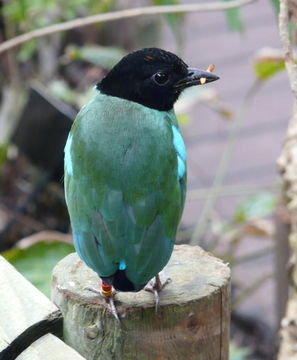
(192, 321)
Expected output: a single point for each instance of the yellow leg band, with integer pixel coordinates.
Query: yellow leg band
(107, 293)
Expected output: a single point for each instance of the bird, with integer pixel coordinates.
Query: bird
(125, 171)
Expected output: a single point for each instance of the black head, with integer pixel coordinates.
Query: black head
(152, 77)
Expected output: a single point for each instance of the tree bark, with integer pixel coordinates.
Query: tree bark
(288, 167)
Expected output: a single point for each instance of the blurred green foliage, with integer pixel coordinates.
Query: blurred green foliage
(104, 57)
(275, 4)
(233, 19)
(43, 12)
(237, 353)
(259, 205)
(266, 69)
(37, 261)
(3, 153)
(270, 64)
(46, 12)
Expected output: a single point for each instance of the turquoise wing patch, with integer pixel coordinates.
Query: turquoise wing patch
(180, 149)
(67, 157)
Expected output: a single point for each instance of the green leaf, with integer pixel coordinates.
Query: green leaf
(103, 56)
(14, 11)
(25, 15)
(233, 19)
(183, 119)
(102, 6)
(275, 4)
(268, 62)
(237, 353)
(266, 68)
(61, 90)
(260, 205)
(37, 261)
(28, 49)
(3, 153)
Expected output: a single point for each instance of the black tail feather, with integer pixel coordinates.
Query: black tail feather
(120, 282)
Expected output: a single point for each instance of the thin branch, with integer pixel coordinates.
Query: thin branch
(116, 15)
(287, 46)
(245, 293)
(201, 226)
(254, 255)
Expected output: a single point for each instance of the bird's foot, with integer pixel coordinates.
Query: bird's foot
(155, 286)
(108, 295)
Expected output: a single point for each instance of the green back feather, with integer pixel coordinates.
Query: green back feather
(123, 193)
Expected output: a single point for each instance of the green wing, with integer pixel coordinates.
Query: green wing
(123, 190)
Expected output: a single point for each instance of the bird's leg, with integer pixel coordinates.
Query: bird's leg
(108, 295)
(155, 286)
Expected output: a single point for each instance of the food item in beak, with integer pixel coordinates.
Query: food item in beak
(210, 68)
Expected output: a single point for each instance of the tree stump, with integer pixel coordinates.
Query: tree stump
(192, 321)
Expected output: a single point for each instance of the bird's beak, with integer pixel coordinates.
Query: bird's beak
(196, 77)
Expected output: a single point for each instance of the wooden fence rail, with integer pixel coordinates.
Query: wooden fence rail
(29, 321)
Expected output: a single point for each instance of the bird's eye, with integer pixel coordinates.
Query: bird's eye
(161, 78)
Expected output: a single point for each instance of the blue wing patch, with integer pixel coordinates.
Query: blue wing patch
(180, 149)
(67, 160)
(181, 167)
(122, 265)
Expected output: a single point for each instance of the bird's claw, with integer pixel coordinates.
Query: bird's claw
(94, 290)
(109, 299)
(155, 286)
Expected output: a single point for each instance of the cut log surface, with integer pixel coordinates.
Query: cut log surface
(25, 313)
(192, 321)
